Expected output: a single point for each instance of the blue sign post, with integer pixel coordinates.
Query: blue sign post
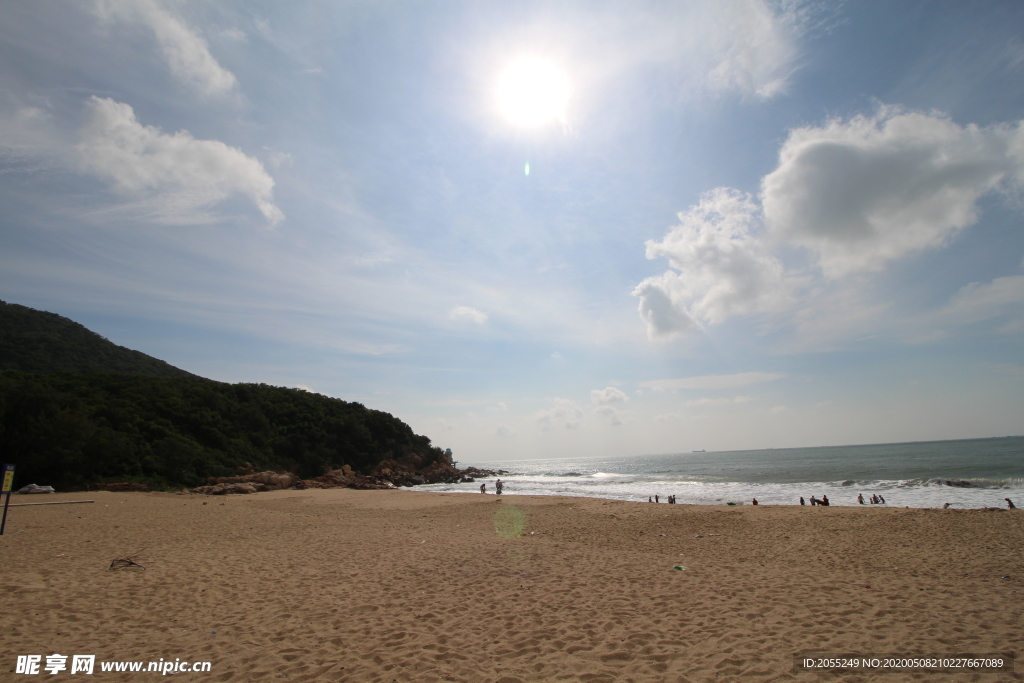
(6, 488)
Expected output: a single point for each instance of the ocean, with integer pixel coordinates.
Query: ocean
(970, 473)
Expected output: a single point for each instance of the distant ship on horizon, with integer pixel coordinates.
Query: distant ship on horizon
(700, 451)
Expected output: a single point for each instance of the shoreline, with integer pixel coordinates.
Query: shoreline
(350, 585)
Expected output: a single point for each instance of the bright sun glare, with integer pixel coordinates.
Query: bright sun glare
(533, 92)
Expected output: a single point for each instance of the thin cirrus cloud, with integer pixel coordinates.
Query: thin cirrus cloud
(977, 301)
(740, 379)
(185, 51)
(758, 53)
(174, 176)
(856, 194)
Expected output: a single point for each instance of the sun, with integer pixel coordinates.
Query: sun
(533, 92)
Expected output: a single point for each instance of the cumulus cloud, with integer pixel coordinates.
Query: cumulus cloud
(856, 193)
(564, 412)
(185, 51)
(722, 267)
(174, 174)
(607, 395)
(468, 313)
(740, 379)
(864, 191)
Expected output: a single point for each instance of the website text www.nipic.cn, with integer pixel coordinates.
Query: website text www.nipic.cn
(86, 664)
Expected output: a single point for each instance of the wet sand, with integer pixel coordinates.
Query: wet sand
(346, 585)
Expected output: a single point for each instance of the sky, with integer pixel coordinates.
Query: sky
(536, 229)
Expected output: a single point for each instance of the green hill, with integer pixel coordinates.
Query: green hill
(118, 416)
(41, 342)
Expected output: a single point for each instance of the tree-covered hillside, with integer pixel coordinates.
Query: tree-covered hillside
(37, 341)
(71, 430)
(76, 409)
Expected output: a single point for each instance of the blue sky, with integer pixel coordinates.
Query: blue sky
(745, 224)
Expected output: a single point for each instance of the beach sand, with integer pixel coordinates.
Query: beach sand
(347, 585)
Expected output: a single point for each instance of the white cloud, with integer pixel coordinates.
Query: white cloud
(872, 189)
(745, 46)
(610, 414)
(607, 395)
(756, 54)
(701, 402)
(973, 304)
(563, 411)
(740, 379)
(173, 174)
(186, 52)
(468, 313)
(723, 268)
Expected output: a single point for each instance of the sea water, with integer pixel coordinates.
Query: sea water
(966, 474)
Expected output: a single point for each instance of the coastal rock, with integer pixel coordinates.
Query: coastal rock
(271, 481)
(225, 488)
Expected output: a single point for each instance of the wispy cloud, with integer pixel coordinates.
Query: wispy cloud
(185, 51)
(740, 379)
(468, 313)
(171, 175)
(563, 412)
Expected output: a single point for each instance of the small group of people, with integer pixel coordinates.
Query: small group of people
(814, 501)
(875, 499)
(498, 486)
(670, 500)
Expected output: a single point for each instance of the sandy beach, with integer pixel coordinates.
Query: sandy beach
(347, 585)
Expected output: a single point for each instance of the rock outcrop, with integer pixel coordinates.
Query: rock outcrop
(387, 474)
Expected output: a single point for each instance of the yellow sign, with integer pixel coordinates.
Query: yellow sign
(8, 478)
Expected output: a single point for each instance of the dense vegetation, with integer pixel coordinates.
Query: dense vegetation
(37, 341)
(71, 430)
(76, 409)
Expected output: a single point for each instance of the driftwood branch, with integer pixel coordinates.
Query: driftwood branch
(127, 562)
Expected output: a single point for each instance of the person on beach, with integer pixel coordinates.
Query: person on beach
(802, 501)
(498, 486)
(824, 501)
(814, 501)
(649, 499)
(483, 488)
(860, 498)
(1009, 504)
(656, 498)
(946, 506)
(880, 499)
(755, 502)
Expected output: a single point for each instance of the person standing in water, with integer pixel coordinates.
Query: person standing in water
(498, 486)
(483, 488)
